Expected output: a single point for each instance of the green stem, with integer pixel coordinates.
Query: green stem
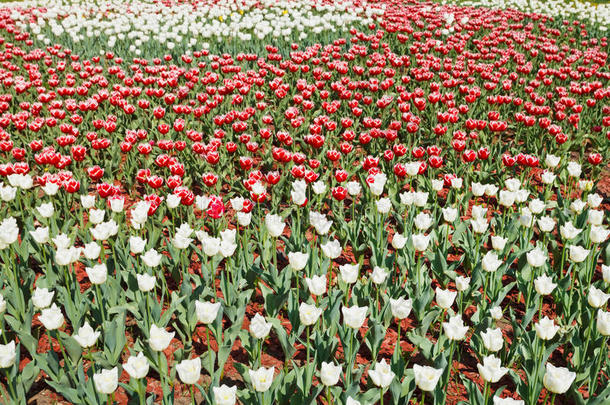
(539, 354)
(10, 386)
(308, 335)
(207, 340)
(588, 337)
(192, 394)
(349, 362)
(142, 389)
(602, 355)
(328, 396)
(161, 373)
(449, 367)
(99, 302)
(563, 258)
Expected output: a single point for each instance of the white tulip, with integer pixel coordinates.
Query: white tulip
(259, 327)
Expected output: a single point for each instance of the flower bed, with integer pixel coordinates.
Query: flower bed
(371, 203)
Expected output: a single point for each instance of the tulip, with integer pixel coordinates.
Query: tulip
(546, 224)
(151, 258)
(552, 161)
(455, 328)
(596, 297)
(329, 373)
(316, 284)
(275, 225)
(51, 318)
(507, 198)
(298, 260)
(106, 381)
(9, 232)
(507, 401)
(574, 169)
(349, 273)
(558, 379)
(42, 297)
(450, 214)
(377, 183)
(225, 395)
(426, 377)
(320, 222)
(189, 371)
(40, 235)
(596, 218)
(547, 177)
(598, 234)
(603, 322)
(496, 313)
(86, 336)
(382, 375)
(490, 262)
(379, 275)
(354, 316)
(606, 273)
(353, 188)
(568, 231)
(478, 212)
(420, 241)
(97, 274)
(46, 210)
(383, 205)
(137, 366)
(401, 308)
(92, 250)
(331, 249)
(8, 354)
(578, 254)
(159, 338)
(309, 314)
(437, 185)
(536, 206)
(318, 187)
(87, 201)
(398, 241)
(498, 242)
(244, 218)
(445, 298)
(594, 200)
(546, 328)
(492, 339)
(479, 226)
(536, 258)
(136, 244)
(259, 327)
(462, 283)
(145, 282)
(2, 304)
(96, 216)
(491, 370)
(262, 378)
(544, 285)
(207, 312)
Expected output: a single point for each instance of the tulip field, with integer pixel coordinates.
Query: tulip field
(304, 202)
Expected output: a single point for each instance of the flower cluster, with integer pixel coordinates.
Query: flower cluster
(359, 212)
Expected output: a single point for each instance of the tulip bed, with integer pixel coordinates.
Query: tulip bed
(303, 202)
